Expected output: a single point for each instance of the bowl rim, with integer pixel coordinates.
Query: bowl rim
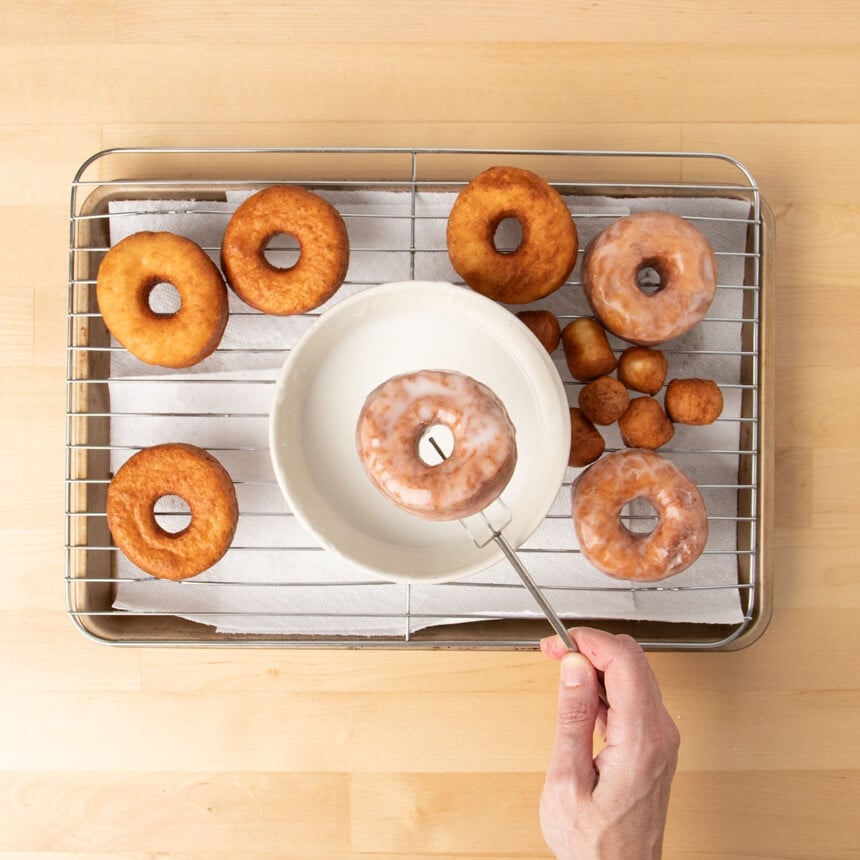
(490, 555)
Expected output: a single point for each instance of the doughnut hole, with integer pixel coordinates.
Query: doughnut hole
(650, 277)
(172, 514)
(640, 517)
(163, 298)
(435, 444)
(282, 251)
(508, 235)
(645, 425)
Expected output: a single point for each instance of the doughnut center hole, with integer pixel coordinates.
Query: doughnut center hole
(640, 516)
(172, 514)
(508, 235)
(282, 251)
(164, 299)
(435, 444)
(649, 278)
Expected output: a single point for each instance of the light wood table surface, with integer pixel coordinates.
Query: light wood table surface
(160, 753)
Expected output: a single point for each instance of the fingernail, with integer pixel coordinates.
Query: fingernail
(575, 670)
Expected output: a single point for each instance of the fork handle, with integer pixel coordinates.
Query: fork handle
(545, 605)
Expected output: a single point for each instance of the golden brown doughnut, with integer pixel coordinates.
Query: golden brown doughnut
(586, 441)
(544, 326)
(323, 250)
(693, 401)
(173, 469)
(601, 492)
(645, 425)
(126, 277)
(587, 350)
(393, 420)
(544, 258)
(604, 400)
(676, 250)
(643, 369)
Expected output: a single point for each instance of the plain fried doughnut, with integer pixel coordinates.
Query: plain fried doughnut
(677, 251)
(544, 258)
(126, 277)
(323, 250)
(601, 492)
(392, 422)
(196, 477)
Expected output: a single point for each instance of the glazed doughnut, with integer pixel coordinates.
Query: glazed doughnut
(196, 477)
(677, 251)
(323, 250)
(126, 277)
(544, 258)
(601, 492)
(397, 414)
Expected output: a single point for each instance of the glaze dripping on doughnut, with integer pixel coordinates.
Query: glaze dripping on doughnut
(392, 422)
(676, 250)
(601, 492)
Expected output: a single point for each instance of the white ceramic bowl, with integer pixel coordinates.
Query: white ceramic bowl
(361, 342)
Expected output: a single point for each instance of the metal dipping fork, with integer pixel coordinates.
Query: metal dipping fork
(492, 530)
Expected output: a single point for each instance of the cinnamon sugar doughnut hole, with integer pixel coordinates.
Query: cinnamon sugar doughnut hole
(693, 401)
(604, 400)
(645, 425)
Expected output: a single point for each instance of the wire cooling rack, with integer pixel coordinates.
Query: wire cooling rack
(395, 204)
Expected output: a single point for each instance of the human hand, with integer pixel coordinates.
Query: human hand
(613, 805)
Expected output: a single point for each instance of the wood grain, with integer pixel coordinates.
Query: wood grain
(186, 754)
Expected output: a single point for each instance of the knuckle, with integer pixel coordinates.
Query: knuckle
(575, 713)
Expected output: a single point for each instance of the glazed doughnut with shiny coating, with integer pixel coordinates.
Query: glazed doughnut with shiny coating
(546, 255)
(173, 469)
(395, 417)
(672, 247)
(599, 496)
(129, 272)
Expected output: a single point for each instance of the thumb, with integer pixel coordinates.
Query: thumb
(572, 758)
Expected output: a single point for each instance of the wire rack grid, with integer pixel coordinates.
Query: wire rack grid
(395, 204)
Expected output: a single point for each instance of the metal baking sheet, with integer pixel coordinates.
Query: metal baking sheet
(119, 179)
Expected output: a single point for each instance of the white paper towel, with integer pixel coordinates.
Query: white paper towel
(274, 579)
